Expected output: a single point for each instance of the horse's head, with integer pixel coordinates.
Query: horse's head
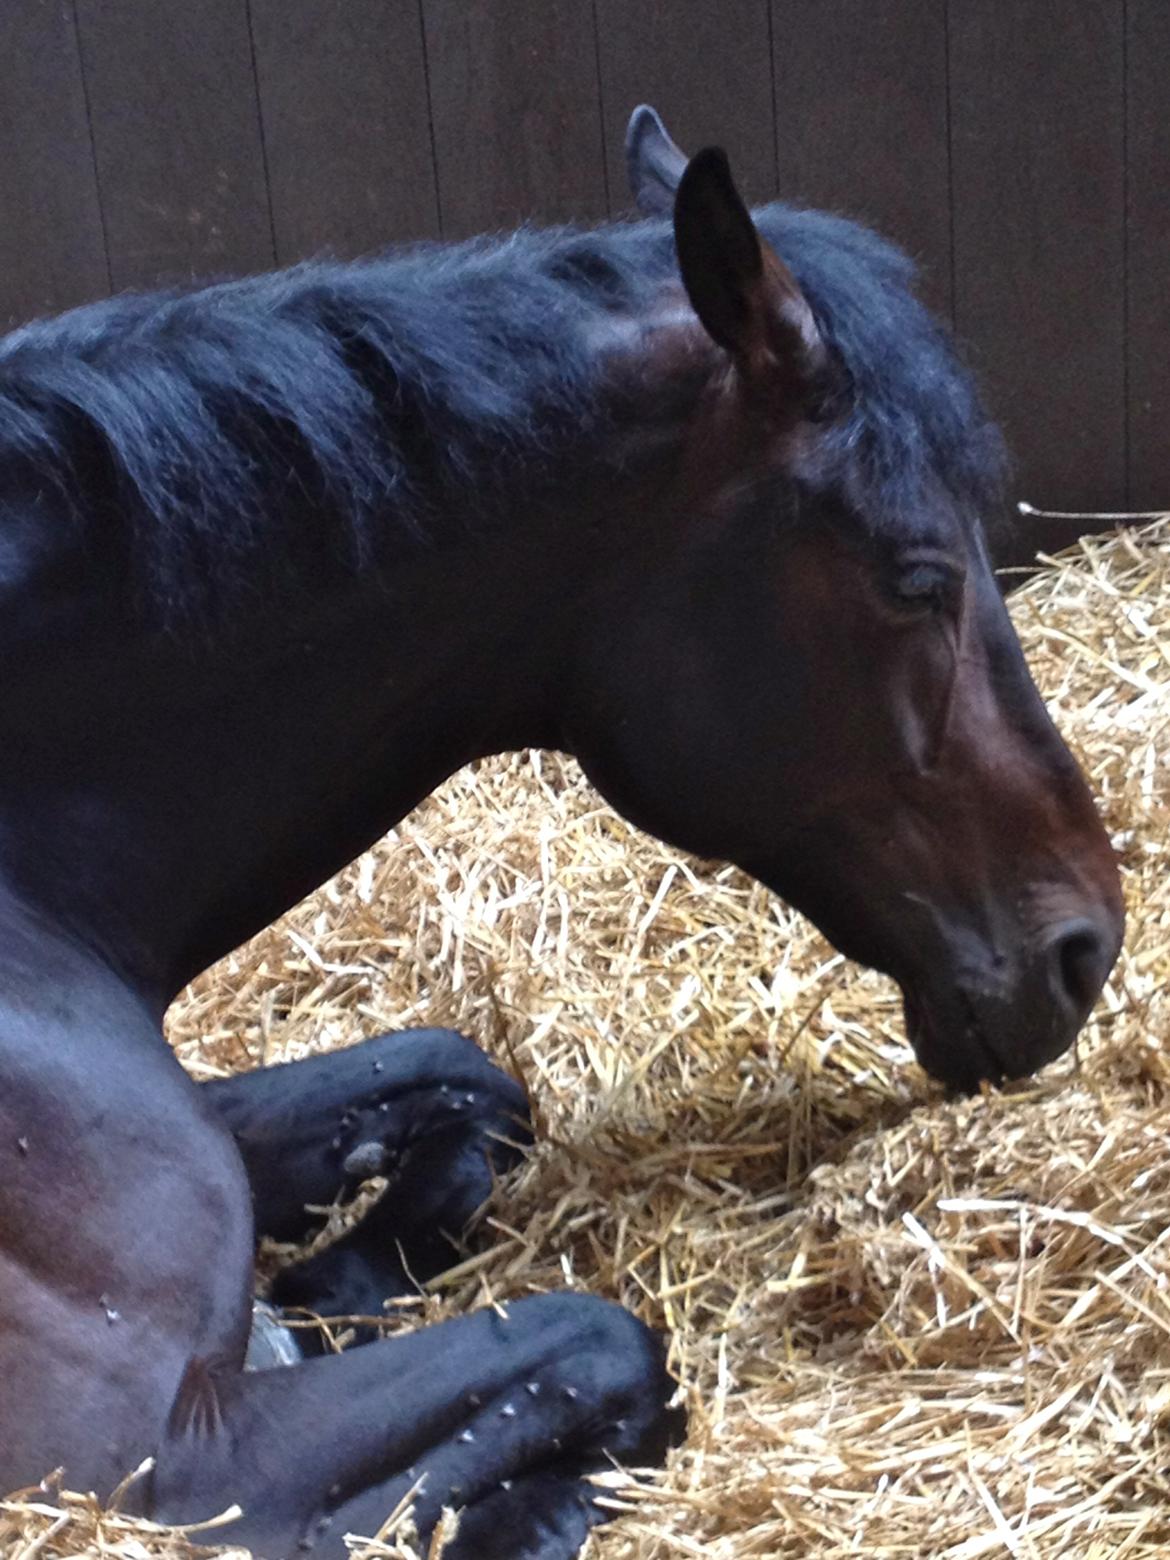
(819, 680)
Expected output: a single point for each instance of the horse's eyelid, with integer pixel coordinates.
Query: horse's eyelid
(926, 582)
(924, 577)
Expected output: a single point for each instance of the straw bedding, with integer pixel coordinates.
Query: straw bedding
(903, 1326)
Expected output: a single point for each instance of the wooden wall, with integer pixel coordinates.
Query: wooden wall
(1019, 148)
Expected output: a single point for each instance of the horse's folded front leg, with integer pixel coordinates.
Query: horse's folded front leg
(311, 1129)
(498, 1414)
(424, 1107)
(407, 1237)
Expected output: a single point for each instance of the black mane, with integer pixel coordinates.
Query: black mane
(427, 375)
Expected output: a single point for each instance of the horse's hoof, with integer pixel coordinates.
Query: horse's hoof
(271, 1343)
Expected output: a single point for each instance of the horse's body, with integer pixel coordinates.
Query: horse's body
(275, 559)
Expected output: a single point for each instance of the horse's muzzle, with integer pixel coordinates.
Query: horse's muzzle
(1009, 1023)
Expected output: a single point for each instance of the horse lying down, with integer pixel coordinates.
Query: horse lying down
(697, 499)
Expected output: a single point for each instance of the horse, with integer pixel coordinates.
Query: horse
(697, 497)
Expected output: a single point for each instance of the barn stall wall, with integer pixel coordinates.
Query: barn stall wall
(1018, 148)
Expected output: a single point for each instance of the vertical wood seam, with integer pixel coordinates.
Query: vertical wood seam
(768, 17)
(426, 60)
(601, 111)
(775, 105)
(97, 173)
(277, 258)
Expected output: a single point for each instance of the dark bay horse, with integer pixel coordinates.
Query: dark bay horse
(698, 501)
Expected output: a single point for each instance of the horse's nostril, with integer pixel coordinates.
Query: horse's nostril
(1078, 964)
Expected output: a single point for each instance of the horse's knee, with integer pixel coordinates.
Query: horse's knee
(614, 1366)
(441, 1052)
(404, 1061)
(444, 1121)
(311, 1129)
(451, 1080)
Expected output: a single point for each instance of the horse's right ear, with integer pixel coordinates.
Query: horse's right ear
(745, 296)
(653, 162)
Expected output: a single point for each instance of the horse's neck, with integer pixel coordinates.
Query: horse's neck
(176, 803)
(164, 805)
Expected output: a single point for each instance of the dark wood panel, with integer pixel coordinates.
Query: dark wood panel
(51, 249)
(177, 136)
(705, 68)
(516, 106)
(1059, 275)
(343, 101)
(1038, 176)
(1148, 219)
(861, 119)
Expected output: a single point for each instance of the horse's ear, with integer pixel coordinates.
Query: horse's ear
(653, 162)
(746, 297)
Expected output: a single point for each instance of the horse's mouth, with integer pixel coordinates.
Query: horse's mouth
(953, 1048)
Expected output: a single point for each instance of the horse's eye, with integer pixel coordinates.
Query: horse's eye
(925, 587)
